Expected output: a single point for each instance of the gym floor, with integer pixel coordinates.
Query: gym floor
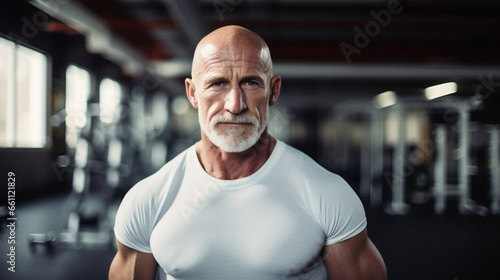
(419, 246)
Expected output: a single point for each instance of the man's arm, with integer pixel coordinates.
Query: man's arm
(355, 258)
(130, 264)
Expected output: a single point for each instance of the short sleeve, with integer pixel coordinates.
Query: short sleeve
(134, 219)
(342, 213)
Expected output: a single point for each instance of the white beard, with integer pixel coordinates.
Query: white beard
(234, 139)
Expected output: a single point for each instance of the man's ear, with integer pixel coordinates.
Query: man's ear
(275, 90)
(191, 92)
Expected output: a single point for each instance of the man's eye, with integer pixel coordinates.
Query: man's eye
(218, 84)
(251, 83)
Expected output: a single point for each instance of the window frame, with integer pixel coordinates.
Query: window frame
(78, 130)
(47, 98)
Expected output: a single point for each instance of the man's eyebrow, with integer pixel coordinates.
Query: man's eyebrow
(215, 78)
(252, 78)
(221, 78)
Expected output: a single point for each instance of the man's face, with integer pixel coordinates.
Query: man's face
(232, 91)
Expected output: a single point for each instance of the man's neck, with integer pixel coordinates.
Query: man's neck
(230, 166)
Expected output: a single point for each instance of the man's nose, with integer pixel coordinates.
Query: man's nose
(234, 103)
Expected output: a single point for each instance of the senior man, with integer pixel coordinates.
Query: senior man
(240, 204)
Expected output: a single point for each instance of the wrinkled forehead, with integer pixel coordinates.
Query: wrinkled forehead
(252, 57)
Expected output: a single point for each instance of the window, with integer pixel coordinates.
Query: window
(23, 96)
(78, 86)
(110, 94)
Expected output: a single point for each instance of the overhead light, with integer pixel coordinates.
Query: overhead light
(173, 68)
(440, 90)
(385, 99)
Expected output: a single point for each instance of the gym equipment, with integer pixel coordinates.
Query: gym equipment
(402, 169)
(132, 146)
(440, 170)
(398, 205)
(495, 169)
(441, 189)
(89, 223)
(371, 161)
(87, 227)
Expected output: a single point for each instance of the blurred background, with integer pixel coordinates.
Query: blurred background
(400, 98)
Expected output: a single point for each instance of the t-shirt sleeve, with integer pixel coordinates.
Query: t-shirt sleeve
(133, 222)
(341, 211)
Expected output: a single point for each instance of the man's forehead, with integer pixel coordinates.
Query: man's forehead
(223, 61)
(228, 60)
(222, 70)
(231, 51)
(226, 55)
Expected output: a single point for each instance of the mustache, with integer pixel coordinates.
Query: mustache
(234, 119)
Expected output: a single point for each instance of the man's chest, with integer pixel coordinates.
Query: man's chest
(224, 233)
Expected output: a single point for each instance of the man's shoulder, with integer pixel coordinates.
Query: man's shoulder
(296, 158)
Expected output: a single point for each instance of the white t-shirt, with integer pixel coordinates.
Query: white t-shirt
(270, 225)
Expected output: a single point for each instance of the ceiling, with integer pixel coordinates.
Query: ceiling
(316, 45)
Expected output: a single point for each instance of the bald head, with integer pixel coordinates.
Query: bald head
(232, 86)
(231, 40)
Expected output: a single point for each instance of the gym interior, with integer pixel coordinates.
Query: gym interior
(400, 98)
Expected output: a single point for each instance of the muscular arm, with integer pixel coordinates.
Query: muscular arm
(130, 264)
(355, 258)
